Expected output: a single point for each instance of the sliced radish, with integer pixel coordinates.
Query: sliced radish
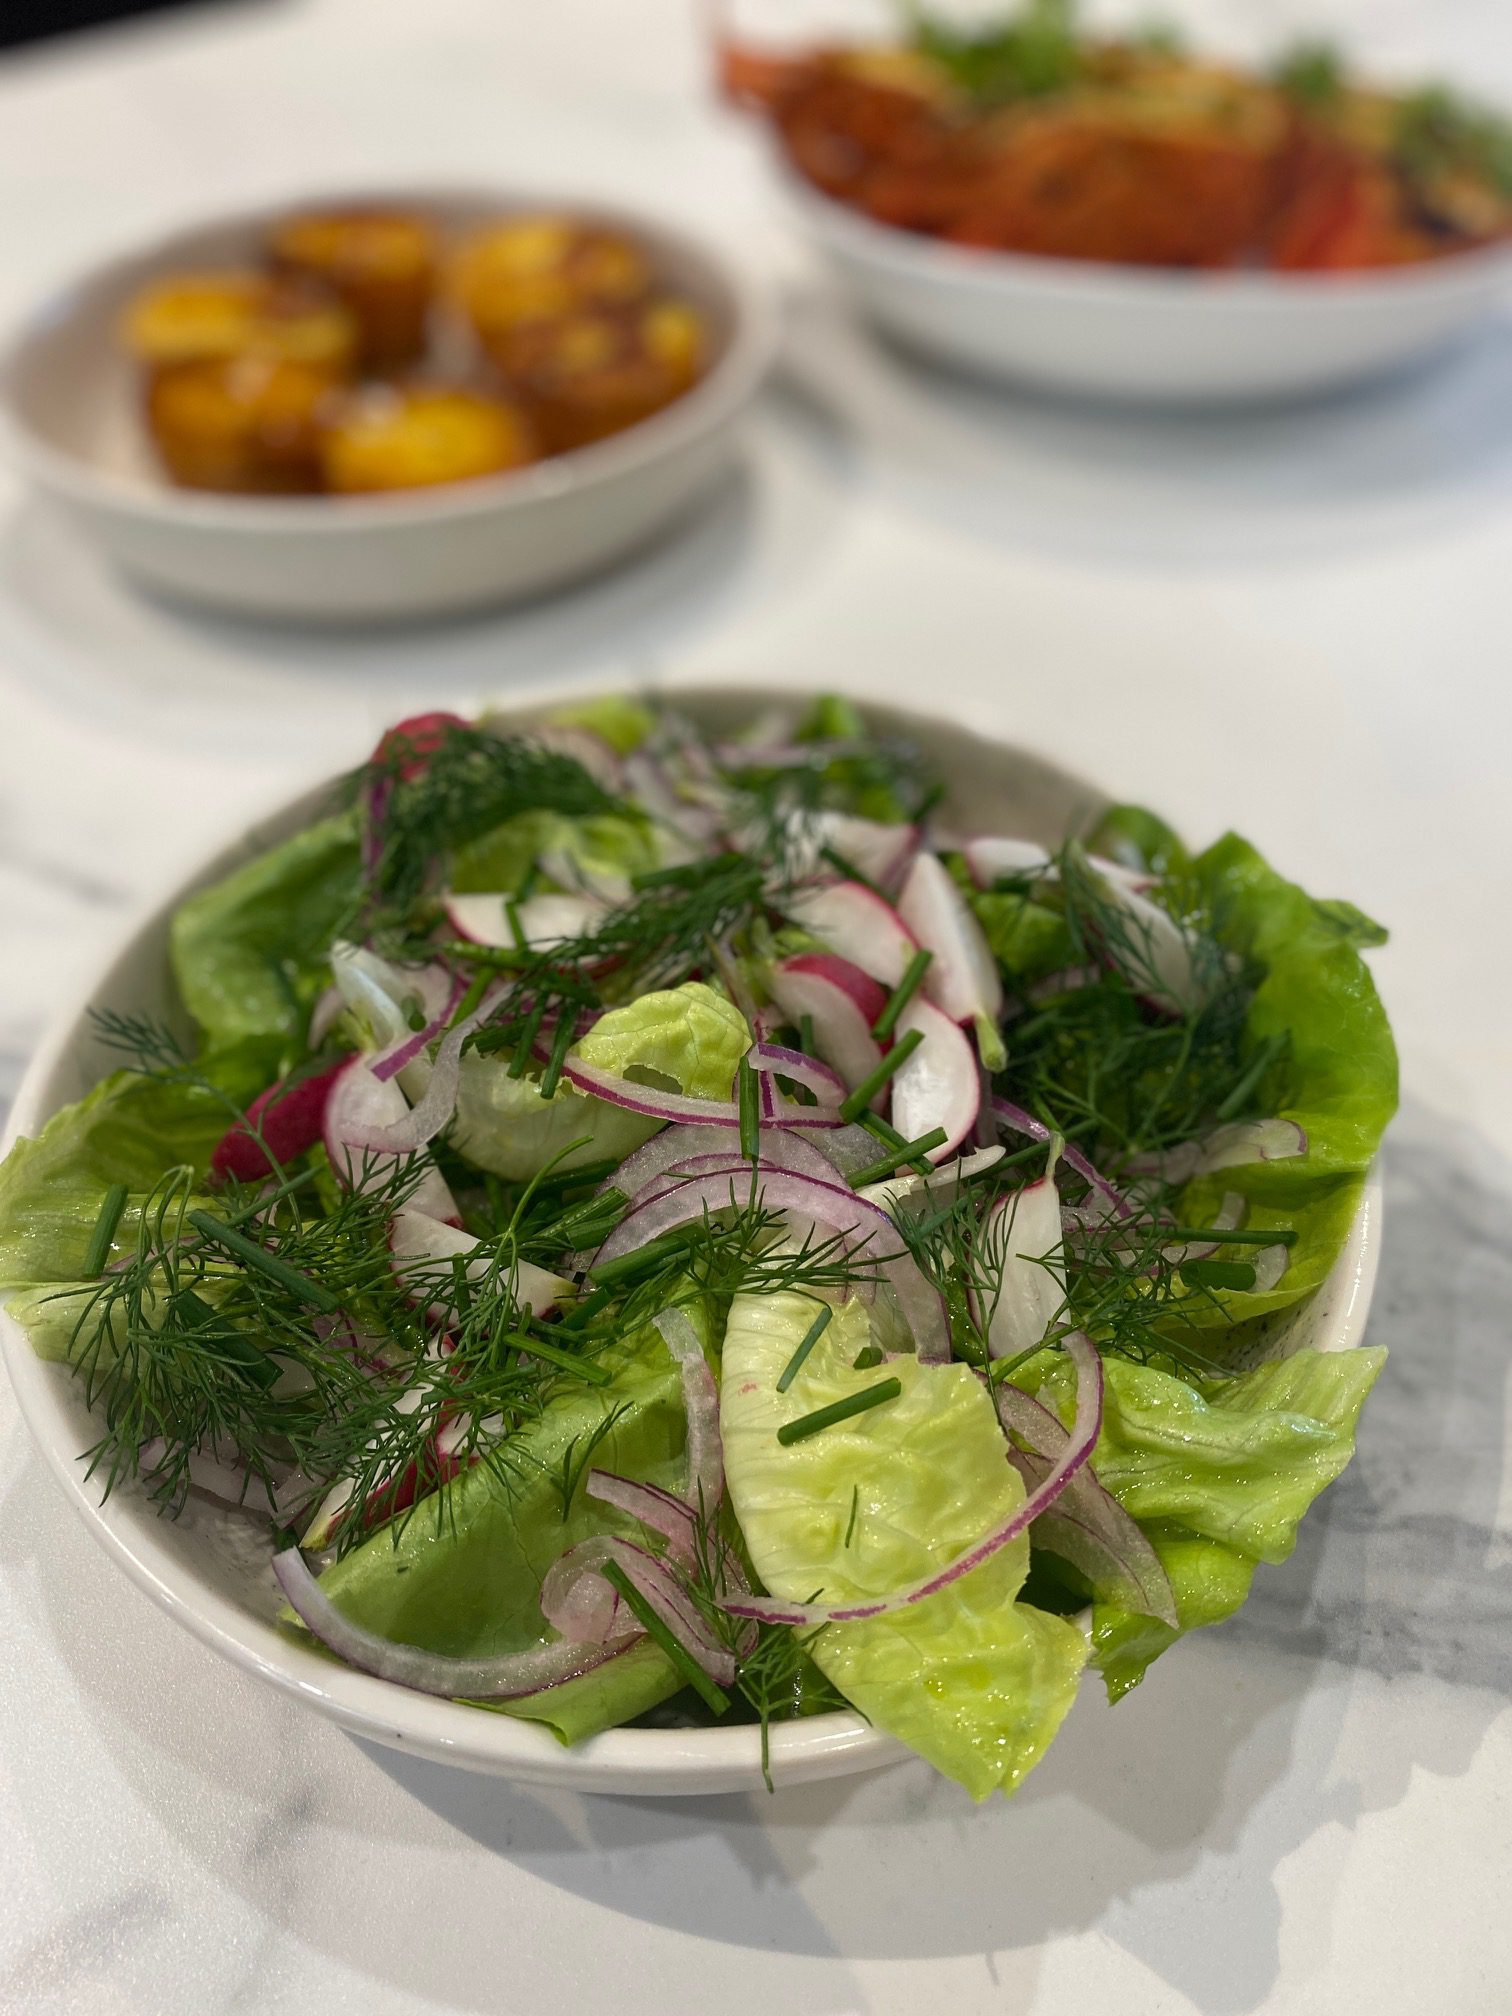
(840, 1001)
(992, 857)
(359, 1101)
(281, 1123)
(1024, 1242)
(880, 852)
(545, 921)
(939, 1084)
(942, 1186)
(962, 978)
(424, 1249)
(854, 921)
(415, 740)
(1155, 955)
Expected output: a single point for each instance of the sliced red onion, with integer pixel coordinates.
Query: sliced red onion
(1018, 1121)
(360, 1107)
(1086, 1525)
(393, 1060)
(1031, 1286)
(858, 924)
(583, 1608)
(1229, 1147)
(826, 1085)
(376, 991)
(421, 1123)
(782, 1150)
(680, 1106)
(841, 1003)
(705, 1481)
(825, 1204)
(939, 1084)
(849, 1147)
(674, 1518)
(1073, 1458)
(506, 1678)
(962, 978)
(650, 782)
(657, 1583)
(675, 1144)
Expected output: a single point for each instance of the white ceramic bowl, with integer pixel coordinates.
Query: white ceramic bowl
(69, 403)
(210, 1569)
(1141, 335)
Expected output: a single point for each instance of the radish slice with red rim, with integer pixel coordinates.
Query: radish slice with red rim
(424, 1250)
(1024, 1244)
(545, 921)
(962, 978)
(938, 1085)
(857, 923)
(840, 1002)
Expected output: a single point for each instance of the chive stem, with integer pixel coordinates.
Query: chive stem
(1282, 1235)
(561, 1043)
(911, 1151)
(626, 1265)
(581, 1314)
(806, 1035)
(267, 1199)
(1219, 1273)
(470, 999)
(750, 1111)
(838, 1411)
(112, 1205)
(811, 1337)
(855, 1103)
(846, 867)
(657, 1629)
(902, 994)
(524, 1340)
(261, 1261)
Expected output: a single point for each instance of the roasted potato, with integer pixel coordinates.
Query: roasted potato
(533, 270)
(380, 263)
(246, 423)
(197, 318)
(405, 437)
(591, 375)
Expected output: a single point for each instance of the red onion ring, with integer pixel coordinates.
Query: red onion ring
(656, 1582)
(1079, 1446)
(777, 1061)
(680, 1106)
(425, 1120)
(661, 1511)
(1228, 1147)
(705, 1484)
(1019, 1122)
(393, 1061)
(508, 1677)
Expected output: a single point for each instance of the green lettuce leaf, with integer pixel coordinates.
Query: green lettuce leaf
(504, 1125)
(621, 722)
(249, 953)
(463, 1575)
(603, 844)
(686, 1038)
(971, 1679)
(1337, 1078)
(1219, 1478)
(1027, 939)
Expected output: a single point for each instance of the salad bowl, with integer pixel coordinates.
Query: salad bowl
(205, 1569)
(68, 409)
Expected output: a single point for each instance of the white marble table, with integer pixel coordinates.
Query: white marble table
(1297, 624)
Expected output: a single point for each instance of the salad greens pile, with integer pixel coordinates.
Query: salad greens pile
(657, 1228)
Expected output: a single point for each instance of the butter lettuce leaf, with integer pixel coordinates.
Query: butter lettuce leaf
(605, 844)
(686, 1038)
(974, 1681)
(505, 1126)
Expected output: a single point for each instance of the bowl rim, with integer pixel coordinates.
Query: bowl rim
(665, 1762)
(707, 406)
(914, 257)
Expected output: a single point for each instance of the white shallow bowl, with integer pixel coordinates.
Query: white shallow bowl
(1142, 335)
(69, 404)
(210, 1569)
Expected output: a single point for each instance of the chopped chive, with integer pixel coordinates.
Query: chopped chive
(526, 1340)
(1259, 1064)
(855, 1103)
(519, 1064)
(910, 1151)
(261, 1261)
(582, 1313)
(461, 1286)
(656, 1628)
(195, 1313)
(516, 928)
(806, 1035)
(855, 1508)
(483, 955)
(528, 881)
(1284, 1235)
(811, 1337)
(685, 875)
(902, 994)
(561, 1043)
(889, 1136)
(848, 869)
(750, 1111)
(839, 1410)
(102, 1238)
(470, 999)
(585, 1172)
(867, 1359)
(1219, 1273)
(646, 1257)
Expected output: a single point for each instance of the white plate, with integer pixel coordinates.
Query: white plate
(69, 405)
(1140, 334)
(210, 1569)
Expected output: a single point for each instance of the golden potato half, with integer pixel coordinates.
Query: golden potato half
(382, 266)
(248, 424)
(394, 437)
(591, 375)
(533, 269)
(206, 317)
